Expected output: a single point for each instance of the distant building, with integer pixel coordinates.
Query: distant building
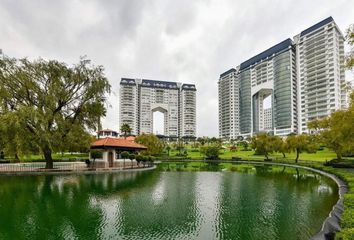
(304, 79)
(107, 133)
(140, 98)
(228, 87)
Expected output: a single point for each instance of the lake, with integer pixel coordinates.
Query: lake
(256, 203)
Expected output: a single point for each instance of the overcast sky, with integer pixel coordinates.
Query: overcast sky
(185, 41)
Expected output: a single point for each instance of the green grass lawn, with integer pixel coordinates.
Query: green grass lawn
(320, 156)
(55, 156)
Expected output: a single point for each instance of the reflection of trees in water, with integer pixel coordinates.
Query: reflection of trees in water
(166, 210)
(276, 203)
(58, 207)
(159, 205)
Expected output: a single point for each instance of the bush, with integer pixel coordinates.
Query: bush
(211, 151)
(96, 154)
(139, 158)
(124, 155)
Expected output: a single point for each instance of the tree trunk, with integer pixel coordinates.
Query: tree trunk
(17, 159)
(48, 157)
(339, 155)
(284, 155)
(266, 155)
(297, 155)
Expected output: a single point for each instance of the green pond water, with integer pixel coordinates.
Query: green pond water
(260, 203)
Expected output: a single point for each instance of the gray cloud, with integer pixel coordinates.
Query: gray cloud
(186, 41)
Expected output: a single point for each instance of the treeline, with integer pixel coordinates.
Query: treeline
(336, 132)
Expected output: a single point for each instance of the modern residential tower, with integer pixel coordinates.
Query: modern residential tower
(140, 98)
(320, 60)
(302, 80)
(229, 104)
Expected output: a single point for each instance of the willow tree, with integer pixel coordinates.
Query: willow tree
(49, 100)
(301, 143)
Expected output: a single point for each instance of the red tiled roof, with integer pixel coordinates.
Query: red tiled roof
(116, 142)
(130, 138)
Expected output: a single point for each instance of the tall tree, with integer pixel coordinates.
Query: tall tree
(154, 145)
(301, 143)
(126, 129)
(337, 131)
(263, 144)
(280, 146)
(49, 99)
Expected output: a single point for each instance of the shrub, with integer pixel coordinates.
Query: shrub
(124, 155)
(96, 154)
(210, 151)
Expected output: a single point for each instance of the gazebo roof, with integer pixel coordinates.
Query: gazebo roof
(116, 143)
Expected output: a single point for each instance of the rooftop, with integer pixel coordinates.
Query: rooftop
(159, 84)
(227, 72)
(267, 53)
(316, 26)
(117, 143)
(127, 81)
(189, 87)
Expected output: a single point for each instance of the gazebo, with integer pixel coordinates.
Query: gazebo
(111, 149)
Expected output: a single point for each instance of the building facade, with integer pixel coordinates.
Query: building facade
(140, 98)
(228, 87)
(303, 78)
(320, 57)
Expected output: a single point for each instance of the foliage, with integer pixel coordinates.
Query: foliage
(244, 144)
(47, 100)
(203, 140)
(337, 131)
(350, 40)
(168, 149)
(211, 151)
(195, 145)
(12, 139)
(154, 145)
(179, 146)
(131, 156)
(280, 145)
(263, 144)
(96, 154)
(124, 154)
(301, 143)
(126, 129)
(139, 158)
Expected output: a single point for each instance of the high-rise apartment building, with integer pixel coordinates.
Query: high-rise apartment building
(304, 80)
(228, 87)
(140, 98)
(320, 60)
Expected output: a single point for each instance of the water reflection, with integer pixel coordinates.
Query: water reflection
(260, 203)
